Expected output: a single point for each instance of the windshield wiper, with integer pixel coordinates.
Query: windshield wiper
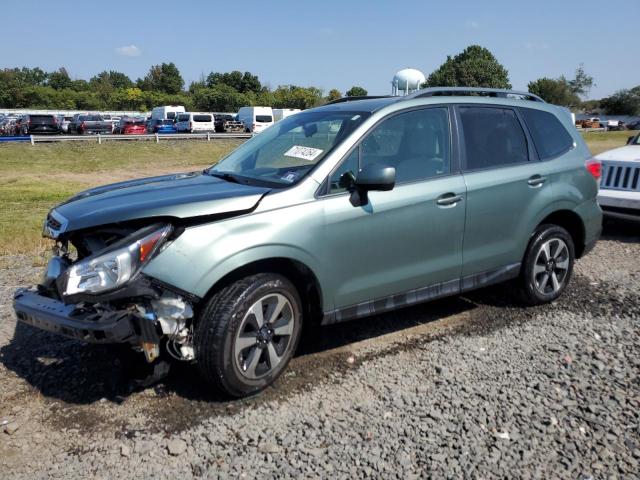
(228, 176)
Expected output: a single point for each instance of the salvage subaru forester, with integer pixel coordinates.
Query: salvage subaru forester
(339, 212)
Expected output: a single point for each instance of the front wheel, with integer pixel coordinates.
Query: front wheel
(547, 266)
(247, 333)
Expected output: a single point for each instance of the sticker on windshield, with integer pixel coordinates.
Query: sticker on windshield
(305, 153)
(289, 177)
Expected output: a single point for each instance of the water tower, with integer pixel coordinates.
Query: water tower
(406, 81)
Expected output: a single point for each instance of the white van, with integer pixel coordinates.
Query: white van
(255, 119)
(195, 122)
(166, 112)
(280, 113)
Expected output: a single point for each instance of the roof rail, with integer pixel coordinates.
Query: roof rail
(360, 97)
(462, 91)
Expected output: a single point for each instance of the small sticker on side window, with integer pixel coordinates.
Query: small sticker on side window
(305, 153)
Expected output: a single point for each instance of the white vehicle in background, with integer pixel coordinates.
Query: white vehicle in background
(64, 123)
(281, 113)
(619, 194)
(195, 122)
(166, 112)
(255, 119)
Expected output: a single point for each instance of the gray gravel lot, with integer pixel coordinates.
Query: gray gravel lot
(469, 387)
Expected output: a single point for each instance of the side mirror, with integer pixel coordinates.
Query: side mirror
(372, 178)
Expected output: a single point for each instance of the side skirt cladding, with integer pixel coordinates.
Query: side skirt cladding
(421, 295)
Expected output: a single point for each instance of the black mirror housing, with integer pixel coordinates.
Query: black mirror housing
(372, 178)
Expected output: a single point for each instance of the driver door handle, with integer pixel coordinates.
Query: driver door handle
(449, 199)
(536, 180)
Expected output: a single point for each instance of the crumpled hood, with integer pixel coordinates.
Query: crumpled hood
(183, 195)
(629, 152)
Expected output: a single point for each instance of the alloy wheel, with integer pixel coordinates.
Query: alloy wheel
(551, 266)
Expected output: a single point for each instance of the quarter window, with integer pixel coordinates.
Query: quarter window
(493, 137)
(549, 135)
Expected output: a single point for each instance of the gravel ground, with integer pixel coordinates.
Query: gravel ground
(471, 387)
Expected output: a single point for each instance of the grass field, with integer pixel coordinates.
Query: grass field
(34, 178)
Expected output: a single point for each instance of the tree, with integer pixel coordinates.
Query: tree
(474, 67)
(623, 102)
(164, 78)
(292, 96)
(556, 91)
(582, 82)
(241, 82)
(219, 98)
(111, 80)
(356, 91)
(59, 79)
(334, 94)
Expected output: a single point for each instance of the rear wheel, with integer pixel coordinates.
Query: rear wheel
(247, 333)
(547, 266)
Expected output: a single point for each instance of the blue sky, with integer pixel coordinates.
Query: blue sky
(328, 43)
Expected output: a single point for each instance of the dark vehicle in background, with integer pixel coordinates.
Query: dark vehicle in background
(84, 124)
(635, 125)
(161, 126)
(227, 122)
(131, 126)
(31, 124)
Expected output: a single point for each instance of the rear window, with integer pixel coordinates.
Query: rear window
(93, 118)
(264, 118)
(171, 115)
(166, 122)
(41, 118)
(549, 135)
(183, 118)
(202, 118)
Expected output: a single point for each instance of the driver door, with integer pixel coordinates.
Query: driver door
(405, 245)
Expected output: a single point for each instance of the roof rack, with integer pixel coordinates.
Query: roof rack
(360, 97)
(462, 91)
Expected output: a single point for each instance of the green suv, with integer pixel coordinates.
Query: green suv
(344, 211)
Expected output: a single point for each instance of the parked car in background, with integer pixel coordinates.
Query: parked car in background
(634, 125)
(64, 123)
(412, 198)
(280, 113)
(255, 119)
(161, 126)
(619, 194)
(37, 123)
(166, 112)
(592, 122)
(227, 122)
(83, 124)
(131, 126)
(193, 122)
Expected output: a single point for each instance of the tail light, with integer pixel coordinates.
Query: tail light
(594, 167)
(190, 126)
(82, 125)
(253, 126)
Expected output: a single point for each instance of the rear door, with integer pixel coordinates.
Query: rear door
(507, 188)
(405, 245)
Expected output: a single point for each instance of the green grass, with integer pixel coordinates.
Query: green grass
(601, 141)
(34, 178)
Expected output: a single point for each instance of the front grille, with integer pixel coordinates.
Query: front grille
(620, 176)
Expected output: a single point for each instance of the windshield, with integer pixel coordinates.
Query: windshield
(284, 153)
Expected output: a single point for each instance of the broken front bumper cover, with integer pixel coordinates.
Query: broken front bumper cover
(83, 323)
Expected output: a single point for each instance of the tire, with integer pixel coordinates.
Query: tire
(234, 356)
(547, 266)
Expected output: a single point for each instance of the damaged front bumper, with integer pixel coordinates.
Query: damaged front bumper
(86, 323)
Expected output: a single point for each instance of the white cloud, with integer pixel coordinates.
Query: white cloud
(472, 24)
(129, 51)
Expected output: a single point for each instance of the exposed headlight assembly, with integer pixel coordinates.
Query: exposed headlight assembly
(112, 269)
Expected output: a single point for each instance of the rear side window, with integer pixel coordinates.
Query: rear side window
(493, 137)
(549, 135)
(202, 118)
(183, 118)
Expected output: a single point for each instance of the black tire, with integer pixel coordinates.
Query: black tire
(218, 327)
(530, 283)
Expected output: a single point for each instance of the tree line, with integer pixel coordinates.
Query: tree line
(162, 85)
(475, 66)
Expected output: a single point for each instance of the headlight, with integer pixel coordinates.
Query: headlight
(113, 269)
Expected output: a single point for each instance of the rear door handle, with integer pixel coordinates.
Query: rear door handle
(536, 180)
(448, 199)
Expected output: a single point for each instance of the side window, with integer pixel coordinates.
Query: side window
(493, 137)
(416, 143)
(349, 165)
(549, 135)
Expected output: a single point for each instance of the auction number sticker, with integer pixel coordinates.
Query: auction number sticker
(305, 153)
